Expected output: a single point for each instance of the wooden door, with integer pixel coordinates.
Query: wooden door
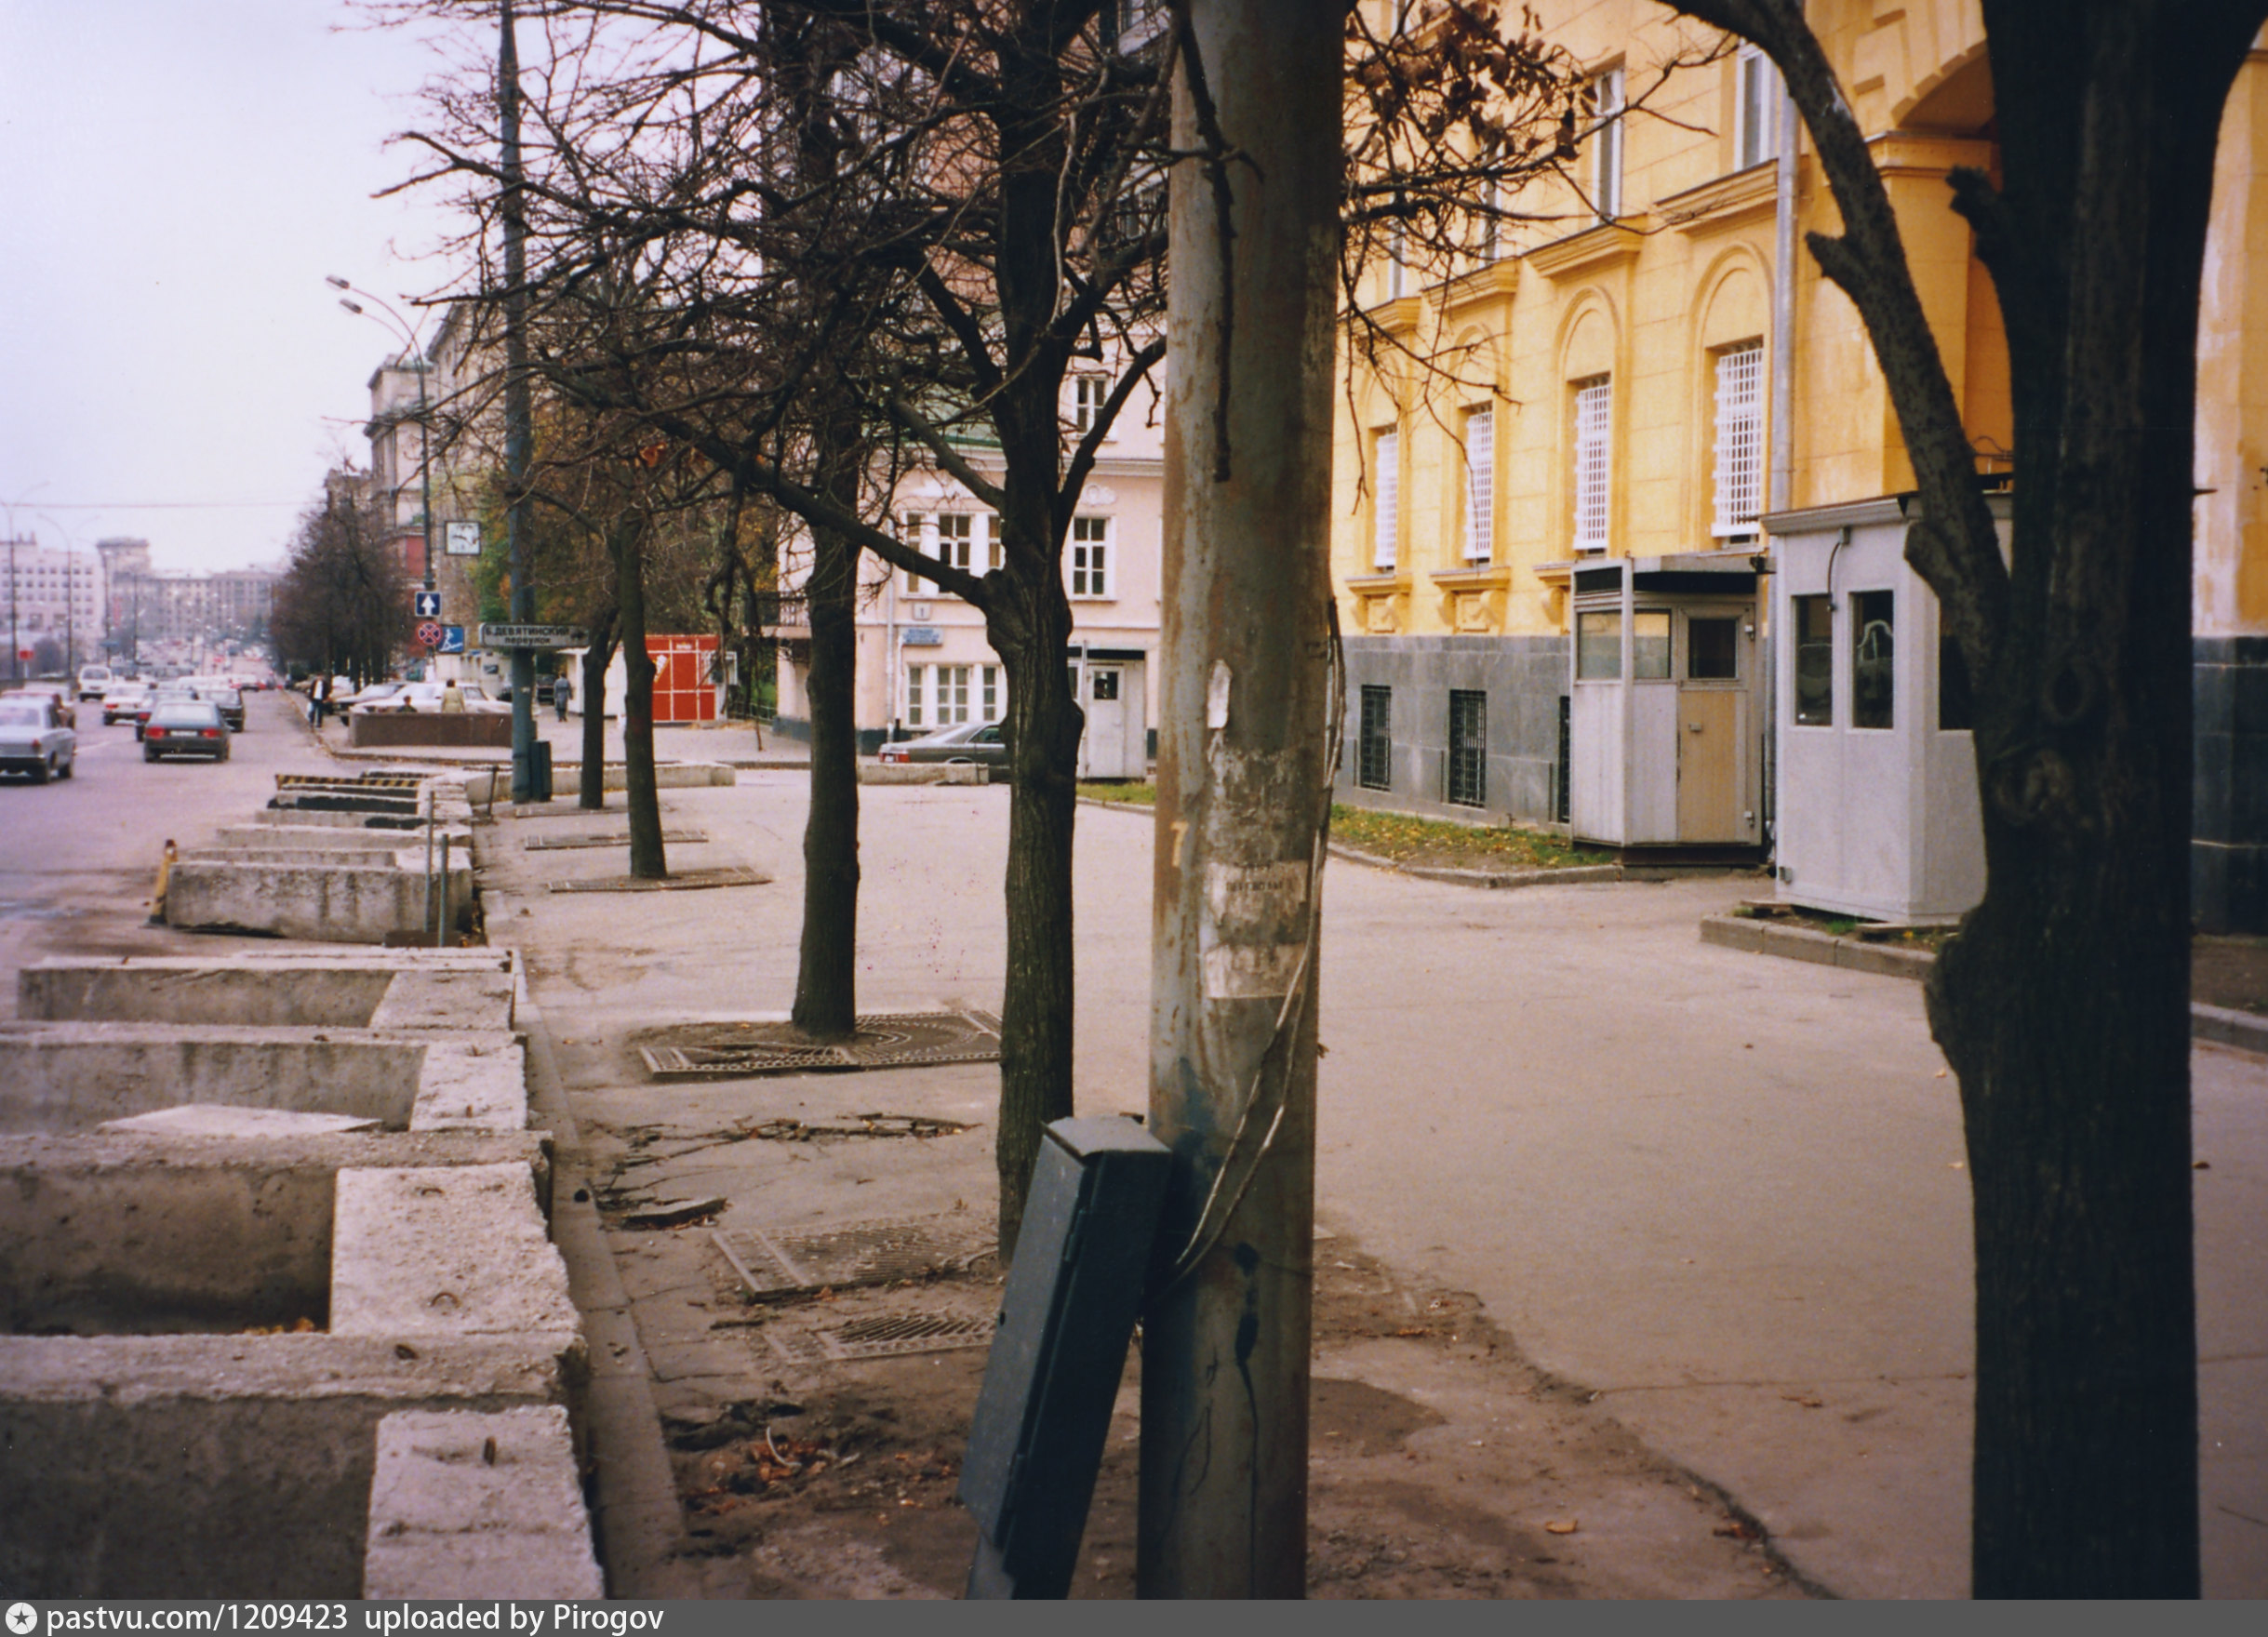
(1709, 765)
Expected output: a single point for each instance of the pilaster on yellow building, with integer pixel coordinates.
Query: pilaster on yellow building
(1573, 553)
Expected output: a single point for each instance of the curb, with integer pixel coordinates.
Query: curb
(2219, 1025)
(1492, 880)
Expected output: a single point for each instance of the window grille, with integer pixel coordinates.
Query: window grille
(1374, 755)
(1387, 458)
(1468, 748)
(1090, 557)
(1593, 401)
(1739, 440)
(1480, 485)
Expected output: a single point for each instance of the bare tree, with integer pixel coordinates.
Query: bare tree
(2063, 1005)
(343, 605)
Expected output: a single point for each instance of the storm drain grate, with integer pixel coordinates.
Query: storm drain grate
(553, 844)
(897, 1040)
(884, 1337)
(682, 881)
(774, 1261)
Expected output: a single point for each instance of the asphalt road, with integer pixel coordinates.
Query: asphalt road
(78, 856)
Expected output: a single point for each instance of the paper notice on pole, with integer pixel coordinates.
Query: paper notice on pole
(1244, 972)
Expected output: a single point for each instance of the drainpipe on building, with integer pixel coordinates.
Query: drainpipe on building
(1782, 490)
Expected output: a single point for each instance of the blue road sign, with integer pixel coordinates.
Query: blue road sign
(428, 605)
(452, 640)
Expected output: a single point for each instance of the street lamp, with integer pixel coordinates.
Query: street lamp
(425, 425)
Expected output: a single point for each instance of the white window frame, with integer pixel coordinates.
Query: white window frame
(989, 522)
(1397, 262)
(989, 699)
(1386, 504)
(914, 531)
(1480, 484)
(1088, 394)
(1737, 445)
(1755, 109)
(951, 699)
(1592, 469)
(1090, 557)
(1605, 171)
(916, 688)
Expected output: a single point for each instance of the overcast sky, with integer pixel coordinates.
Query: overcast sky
(176, 178)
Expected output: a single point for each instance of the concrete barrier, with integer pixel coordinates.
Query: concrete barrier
(494, 784)
(924, 773)
(58, 1077)
(328, 903)
(401, 990)
(480, 1505)
(326, 836)
(298, 818)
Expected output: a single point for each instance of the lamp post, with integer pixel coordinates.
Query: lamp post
(425, 425)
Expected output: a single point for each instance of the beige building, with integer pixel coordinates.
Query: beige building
(1562, 601)
(51, 599)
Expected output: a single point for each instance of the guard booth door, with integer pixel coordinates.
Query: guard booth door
(1712, 728)
(1115, 743)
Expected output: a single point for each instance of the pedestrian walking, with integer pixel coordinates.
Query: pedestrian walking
(321, 693)
(562, 691)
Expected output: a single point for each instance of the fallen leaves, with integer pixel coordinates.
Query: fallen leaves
(756, 1467)
(1562, 1526)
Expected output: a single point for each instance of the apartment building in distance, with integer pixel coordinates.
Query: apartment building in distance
(1586, 581)
(51, 600)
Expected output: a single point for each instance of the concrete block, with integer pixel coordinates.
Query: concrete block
(1856, 955)
(331, 837)
(479, 1505)
(440, 999)
(494, 784)
(1798, 943)
(302, 817)
(388, 989)
(453, 1251)
(334, 903)
(922, 773)
(220, 1120)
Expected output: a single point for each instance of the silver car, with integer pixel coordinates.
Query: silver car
(964, 741)
(34, 739)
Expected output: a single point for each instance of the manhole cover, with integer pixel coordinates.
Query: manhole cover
(682, 881)
(551, 844)
(882, 1336)
(896, 1040)
(774, 1261)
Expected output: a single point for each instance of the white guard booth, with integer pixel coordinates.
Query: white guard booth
(1113, 689)
(1665, 720)
(1876, 791)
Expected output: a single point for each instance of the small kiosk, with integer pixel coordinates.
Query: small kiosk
(1665, 714)
(1875, 798)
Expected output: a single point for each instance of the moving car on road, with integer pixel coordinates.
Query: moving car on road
(95, 681)
(965, 741)
(191, 727)
(121, 701)
(34, 740)
(230, 703)
(65, 697)
(170, 694)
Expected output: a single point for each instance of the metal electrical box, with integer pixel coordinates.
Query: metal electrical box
(1066, 1318)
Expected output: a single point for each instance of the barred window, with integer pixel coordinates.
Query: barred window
(1593, 404)
(1374, 755)
(1480, 485)
(1386, 505)
(1468, 748)
(1739, 441)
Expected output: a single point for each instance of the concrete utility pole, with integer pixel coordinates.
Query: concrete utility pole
(519, 420)
(1247, 713)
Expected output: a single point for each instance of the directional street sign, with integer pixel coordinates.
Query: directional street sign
(460, 539)
(430, 634)
(533, 636)
(452, 639)
(426, 604)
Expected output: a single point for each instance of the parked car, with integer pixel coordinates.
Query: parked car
(964, 741)
(34, 740)
(190, 727)
(95, 681)
(426, 696)
(345, 698)
(230, 703)
(121, 701)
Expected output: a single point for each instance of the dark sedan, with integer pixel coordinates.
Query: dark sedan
(229, 701)
(964, 741)
(191, 729)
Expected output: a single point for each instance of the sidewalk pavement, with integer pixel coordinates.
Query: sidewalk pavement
(1716, 1199)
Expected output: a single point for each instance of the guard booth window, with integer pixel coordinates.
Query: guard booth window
(1713, 652)
(1374, 754)
(1649, 645)
(1598, 648)
(1814, 626)
(1873, 657)
(1468, 748)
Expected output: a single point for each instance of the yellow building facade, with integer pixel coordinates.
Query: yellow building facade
(1594, 436)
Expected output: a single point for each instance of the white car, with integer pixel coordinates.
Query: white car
(94, 681)
(33, 740)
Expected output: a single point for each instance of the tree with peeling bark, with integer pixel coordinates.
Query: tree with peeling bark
(2062, 1003)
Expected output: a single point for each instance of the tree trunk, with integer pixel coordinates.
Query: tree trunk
(643, 795)
(1029, 633)
(826, 975)
(596, 659)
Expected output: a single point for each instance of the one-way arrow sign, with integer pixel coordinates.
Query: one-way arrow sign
(427, 605)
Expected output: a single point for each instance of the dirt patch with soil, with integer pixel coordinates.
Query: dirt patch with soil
(1443, 1464)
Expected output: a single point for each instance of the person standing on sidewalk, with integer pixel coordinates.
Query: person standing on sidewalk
(563, 689)
(321, 694)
